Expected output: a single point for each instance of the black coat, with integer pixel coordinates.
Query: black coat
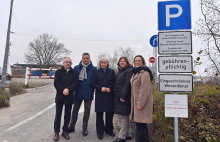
(64, 80)
(104, 101)
(123, 91)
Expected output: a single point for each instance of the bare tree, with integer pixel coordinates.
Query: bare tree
(118, 52)
(45, 50)
(208, 29)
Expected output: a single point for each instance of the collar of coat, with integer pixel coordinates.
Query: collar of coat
(120, 70)
(63, 69)
(136, 76)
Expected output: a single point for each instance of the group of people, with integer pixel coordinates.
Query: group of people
(127, 95)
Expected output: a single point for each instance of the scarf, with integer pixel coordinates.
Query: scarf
(83, 73)
(137, 70)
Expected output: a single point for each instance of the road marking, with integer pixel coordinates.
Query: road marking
(30, 118)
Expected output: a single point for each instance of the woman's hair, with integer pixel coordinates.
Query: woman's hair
(142, 58)
(126, 59)
(103, 59)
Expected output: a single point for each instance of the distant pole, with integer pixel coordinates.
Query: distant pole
(4, 70)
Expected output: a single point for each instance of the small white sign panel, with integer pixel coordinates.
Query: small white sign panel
(176, 105)
(175, 83)
(175, 64)
(175, 42)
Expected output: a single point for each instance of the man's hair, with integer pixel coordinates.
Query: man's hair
(86, 53)
(66, 58)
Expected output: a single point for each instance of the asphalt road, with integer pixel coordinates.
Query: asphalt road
(31, 115)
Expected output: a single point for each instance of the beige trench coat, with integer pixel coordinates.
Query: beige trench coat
(141, 94)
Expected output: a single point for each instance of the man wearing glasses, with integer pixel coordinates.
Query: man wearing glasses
(65, 82)
(84, 92)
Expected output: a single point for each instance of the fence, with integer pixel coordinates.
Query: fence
(39, 73)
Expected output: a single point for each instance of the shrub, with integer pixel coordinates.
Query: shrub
(202, 124)
(15, 89)
(4, 99)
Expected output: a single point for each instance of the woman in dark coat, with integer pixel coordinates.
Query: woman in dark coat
(123, 97)
(103, 82)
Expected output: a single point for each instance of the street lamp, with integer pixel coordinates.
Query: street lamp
(3, 78)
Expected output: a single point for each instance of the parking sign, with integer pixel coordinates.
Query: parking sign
(174, 15)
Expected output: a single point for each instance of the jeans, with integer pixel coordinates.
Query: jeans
(76, 107)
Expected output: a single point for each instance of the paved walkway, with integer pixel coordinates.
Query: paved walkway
(31, 115)
(92, 137)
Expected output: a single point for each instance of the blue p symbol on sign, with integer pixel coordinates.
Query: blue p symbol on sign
(174, 15)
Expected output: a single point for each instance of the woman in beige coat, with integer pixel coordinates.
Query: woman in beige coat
(141, 98)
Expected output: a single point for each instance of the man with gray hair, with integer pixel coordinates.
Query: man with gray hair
(65, 82)
(84, 92)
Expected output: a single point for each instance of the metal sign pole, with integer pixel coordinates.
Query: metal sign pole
(155, 66)
(5, 63)
(176, 134)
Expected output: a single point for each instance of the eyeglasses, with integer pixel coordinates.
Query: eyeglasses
(68, 62)
(137, 61)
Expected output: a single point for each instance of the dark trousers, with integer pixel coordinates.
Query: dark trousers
(76, 107)
(141, 126)
(67, 115)
(141, 132)
(100, 126)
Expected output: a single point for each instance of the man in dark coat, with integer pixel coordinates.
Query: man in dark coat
(65, 82)
(84, 92)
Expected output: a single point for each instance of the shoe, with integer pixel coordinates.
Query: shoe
(100, 137)
(65, 135)
(129, 138)
(71, 130)
(85, 132)
(111, 134)
(119, 140)
(56, 136)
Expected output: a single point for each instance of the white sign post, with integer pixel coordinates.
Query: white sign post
(175, 15)
(175, 64)
(176, 105)
(175, 83)
(175, 42)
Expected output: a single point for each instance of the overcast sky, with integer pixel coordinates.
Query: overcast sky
(93, 26)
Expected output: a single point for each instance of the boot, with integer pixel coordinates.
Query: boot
(56, 136)
(85, 132)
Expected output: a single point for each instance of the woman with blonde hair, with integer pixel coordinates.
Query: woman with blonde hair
(103, 82)
(141, 98)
